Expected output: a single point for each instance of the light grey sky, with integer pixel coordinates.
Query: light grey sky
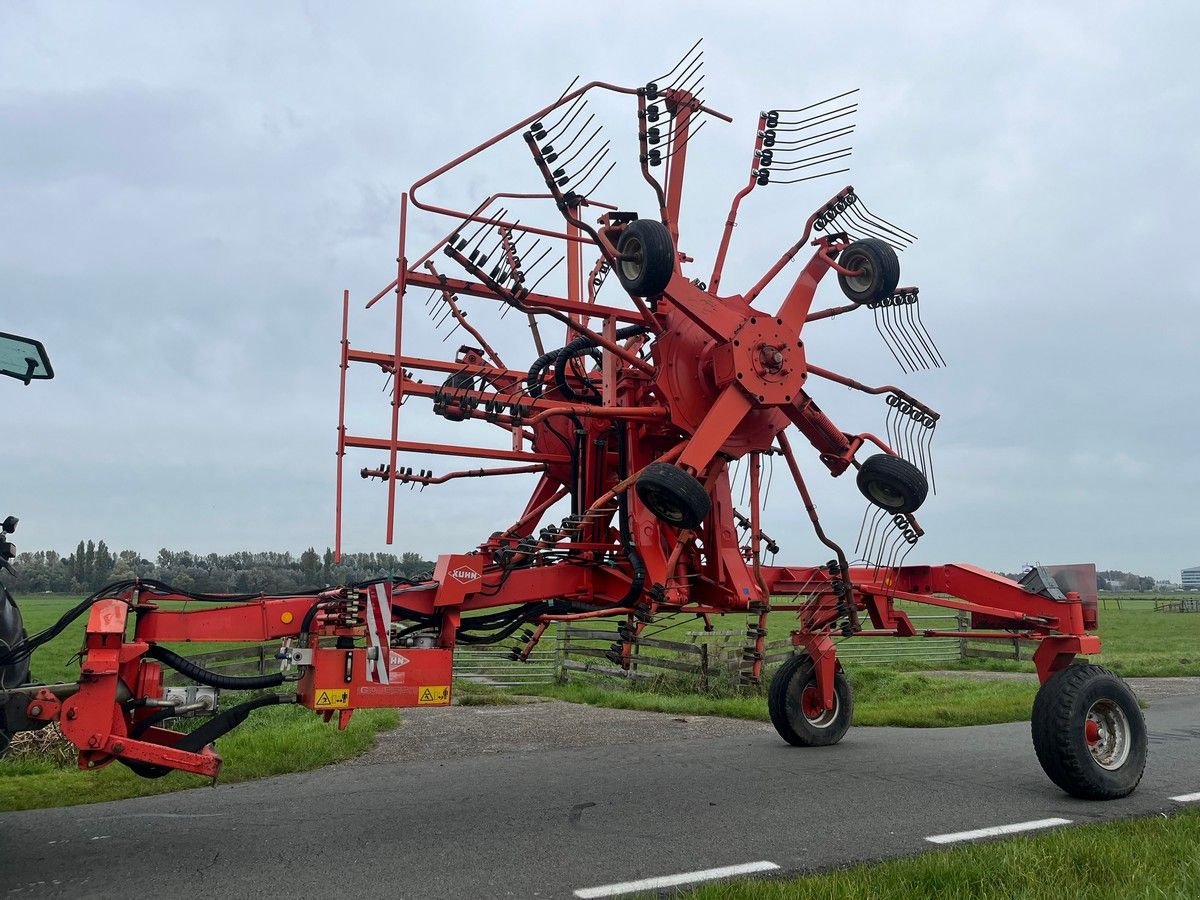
(187, 189)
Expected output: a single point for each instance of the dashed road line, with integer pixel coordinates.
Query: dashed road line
(995, 831)
(666, 881)
(1186, 798)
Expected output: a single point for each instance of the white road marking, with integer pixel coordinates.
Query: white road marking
(1186, 798)
(666, 881)
(995, 830)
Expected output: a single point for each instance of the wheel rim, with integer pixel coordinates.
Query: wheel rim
(632, 258)
(1106, 730)
(814, 713)
(885, 495)
(862, 282)
(661, 504)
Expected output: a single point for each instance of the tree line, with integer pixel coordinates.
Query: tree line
(94, 565)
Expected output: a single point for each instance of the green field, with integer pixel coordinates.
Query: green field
(1140, 858)
(272, 741)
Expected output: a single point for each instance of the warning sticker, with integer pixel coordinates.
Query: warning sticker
(438, 693)
(338, 698)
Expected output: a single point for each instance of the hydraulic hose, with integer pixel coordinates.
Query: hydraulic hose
(631, 551)
(197, 740)
(581, 344)
(201, 675)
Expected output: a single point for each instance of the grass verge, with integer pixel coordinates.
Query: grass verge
(272, 741)
(881, 697)
(1140, 858)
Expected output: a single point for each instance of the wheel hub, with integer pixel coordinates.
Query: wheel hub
(1106, 731)
(812, 709)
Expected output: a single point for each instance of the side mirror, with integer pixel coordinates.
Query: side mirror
(23, 358)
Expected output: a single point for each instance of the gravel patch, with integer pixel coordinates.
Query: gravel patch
(452, 732)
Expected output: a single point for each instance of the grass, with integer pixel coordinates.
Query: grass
(1140, 858)
(1135, 643)
(272, 741)
(881, 697)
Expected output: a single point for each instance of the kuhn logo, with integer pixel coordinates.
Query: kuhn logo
(397, 660)
(464, 575)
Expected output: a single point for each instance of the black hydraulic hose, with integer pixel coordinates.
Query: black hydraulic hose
(201, 675)
(631, 551)
(197, 740)
(579, 346)
(533, 380)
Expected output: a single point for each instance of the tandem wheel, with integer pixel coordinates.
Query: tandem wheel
(646, 257)
(1089, 733)
(892, 483)
(673, 495)
(795, 705)
(878, 270)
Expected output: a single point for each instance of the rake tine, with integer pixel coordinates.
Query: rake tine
(885, 318)
(875, 308)
(918, 337)
(932, 343)
(591, 190)
(895, 229)
(682, 60)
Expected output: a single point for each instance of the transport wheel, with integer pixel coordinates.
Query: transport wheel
(892, 483)
(795, 705)
(1089, 733)
(879, 271)
(673, 495)
(646, 257)
(452, 408)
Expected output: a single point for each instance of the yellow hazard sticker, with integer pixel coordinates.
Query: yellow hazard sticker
(438, 693)
(338, 698)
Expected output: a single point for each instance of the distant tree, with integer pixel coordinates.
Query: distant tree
(310, 565)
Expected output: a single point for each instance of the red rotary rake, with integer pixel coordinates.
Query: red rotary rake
(633, 428)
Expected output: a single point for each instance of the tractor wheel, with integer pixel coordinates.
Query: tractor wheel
(452, 407)
(673, 495)
(795, 705)
(892, 483)
(1089, 733)
(878, 268)
(646, 257)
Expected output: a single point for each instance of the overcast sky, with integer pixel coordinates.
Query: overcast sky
(186, 189)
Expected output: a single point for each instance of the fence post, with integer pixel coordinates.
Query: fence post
(704, 666)
(964, 622)
(560, 650)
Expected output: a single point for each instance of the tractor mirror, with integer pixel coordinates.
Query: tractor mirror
(23, 358)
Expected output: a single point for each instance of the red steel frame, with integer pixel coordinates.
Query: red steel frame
(712, 379)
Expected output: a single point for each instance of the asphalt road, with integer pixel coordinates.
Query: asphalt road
(549, 799)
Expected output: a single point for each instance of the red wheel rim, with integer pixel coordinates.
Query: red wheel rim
(810, 703)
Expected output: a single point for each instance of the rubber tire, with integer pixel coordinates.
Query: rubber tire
(458, 381)
(1059, 712)
(882, 271)
(898, 475)
(650, 239)
(674, 496)
(783, 703)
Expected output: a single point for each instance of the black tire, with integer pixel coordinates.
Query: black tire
(1089, 733)
(892, 483)
(785, 702)
(646, 258)
(880, 268)
(673, 495)
(451, 408)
